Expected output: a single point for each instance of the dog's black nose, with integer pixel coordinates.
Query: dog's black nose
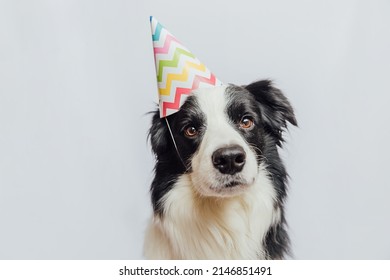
(229, 160)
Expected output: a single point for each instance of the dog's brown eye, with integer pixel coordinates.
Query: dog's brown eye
(246, 122)
(191, 131)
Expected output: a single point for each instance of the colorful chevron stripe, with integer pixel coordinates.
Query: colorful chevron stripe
(178, 71)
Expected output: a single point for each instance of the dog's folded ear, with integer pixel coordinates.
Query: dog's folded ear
(275, 108)
(158, 133)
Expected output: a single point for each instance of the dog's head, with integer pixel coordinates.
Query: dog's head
(222, 136)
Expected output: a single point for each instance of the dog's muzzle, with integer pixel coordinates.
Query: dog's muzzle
(229, 160)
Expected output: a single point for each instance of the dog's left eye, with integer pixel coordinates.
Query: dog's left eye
(246, 122)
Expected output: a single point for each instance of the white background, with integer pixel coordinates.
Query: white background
(77, 79)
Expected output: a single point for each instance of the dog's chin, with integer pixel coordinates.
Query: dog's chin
(231, 189)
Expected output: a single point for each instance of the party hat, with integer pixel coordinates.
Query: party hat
(178, 71)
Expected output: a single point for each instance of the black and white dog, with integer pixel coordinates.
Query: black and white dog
(223, 197)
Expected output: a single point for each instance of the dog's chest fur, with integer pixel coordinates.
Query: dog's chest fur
(195, 227)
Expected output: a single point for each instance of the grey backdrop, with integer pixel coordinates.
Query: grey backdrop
(77, 77)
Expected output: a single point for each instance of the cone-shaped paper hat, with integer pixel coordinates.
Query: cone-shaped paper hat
(178, 71)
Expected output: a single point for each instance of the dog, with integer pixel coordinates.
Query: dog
(220, 186)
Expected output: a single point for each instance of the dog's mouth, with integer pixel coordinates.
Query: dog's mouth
(223, 186)
(230, 182)
(233, 184)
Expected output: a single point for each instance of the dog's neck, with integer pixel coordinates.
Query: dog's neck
(198, 227)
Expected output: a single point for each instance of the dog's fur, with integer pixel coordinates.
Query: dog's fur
(201, 212)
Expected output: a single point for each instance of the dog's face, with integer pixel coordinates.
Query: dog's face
(215, 131)
(221, 136)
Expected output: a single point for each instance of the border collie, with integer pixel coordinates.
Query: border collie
(220, 186)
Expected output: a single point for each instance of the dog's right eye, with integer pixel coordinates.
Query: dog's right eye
(246, 122)
(190, 131)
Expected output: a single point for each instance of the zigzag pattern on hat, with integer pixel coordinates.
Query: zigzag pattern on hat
(178, 70)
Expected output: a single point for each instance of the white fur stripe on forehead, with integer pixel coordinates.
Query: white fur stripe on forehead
(212, 102)
(210, 98)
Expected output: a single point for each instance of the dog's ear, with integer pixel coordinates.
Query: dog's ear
(275, 108)
(158, 134)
